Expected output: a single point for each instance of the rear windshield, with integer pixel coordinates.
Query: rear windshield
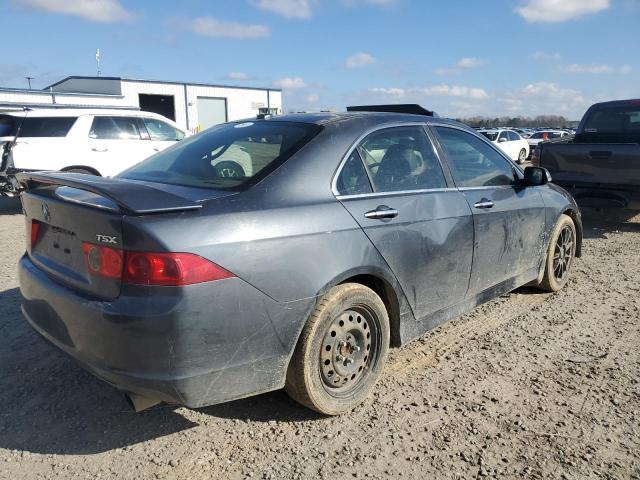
(8, 125)
(545, 135)
(490, 135)
(229, 156)
(614, 120)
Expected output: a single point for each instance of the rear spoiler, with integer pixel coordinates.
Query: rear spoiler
(131, 197)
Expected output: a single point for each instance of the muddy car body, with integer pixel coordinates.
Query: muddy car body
(390, 250)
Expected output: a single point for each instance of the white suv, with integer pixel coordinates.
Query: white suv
(100, 142)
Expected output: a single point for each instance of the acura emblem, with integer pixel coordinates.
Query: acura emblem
(45, 212)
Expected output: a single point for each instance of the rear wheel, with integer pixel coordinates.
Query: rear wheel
(341, 351)
(522, 156)
(560, 255)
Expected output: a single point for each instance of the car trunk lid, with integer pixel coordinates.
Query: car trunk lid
(74, 213)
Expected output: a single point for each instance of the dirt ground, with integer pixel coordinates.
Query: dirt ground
(528, 386)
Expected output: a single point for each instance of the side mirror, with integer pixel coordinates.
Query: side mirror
(534, 176)
(502, 140)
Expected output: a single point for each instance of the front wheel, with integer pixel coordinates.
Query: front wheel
(341, 351)
(522, 156)
(560, 255)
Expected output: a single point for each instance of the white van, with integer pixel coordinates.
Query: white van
(99, 142)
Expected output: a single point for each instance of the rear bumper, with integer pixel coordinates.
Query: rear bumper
(196, 345)
(605, 198)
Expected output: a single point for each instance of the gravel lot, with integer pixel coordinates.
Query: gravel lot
(529, 385)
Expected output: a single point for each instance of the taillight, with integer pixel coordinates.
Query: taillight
(35, 228)
(103, 261)
(170, 269)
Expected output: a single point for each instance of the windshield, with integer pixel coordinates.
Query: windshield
(8, 125)
(229, 156)
(490, 135)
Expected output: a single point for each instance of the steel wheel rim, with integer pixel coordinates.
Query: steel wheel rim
(522, 156)
(349, 349)
(563, 253)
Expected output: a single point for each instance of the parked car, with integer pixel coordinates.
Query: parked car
(510, 142)
(354, 232)
(600, 166)
(543, 136)
(99, 142)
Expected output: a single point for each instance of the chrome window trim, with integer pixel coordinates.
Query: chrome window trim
(334, 181)
(398, 192)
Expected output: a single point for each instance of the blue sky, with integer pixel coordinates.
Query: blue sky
(459, 57)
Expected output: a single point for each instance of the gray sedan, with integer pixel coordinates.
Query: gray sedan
(337, 237)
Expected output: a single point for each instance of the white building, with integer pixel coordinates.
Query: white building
(193, 106)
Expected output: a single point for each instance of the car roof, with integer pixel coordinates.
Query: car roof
(328, 118)
(73, 112)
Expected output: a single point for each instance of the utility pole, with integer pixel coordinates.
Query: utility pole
(29, 81)
(98, 61)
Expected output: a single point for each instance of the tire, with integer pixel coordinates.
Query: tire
(522, 156)
(341, 351)
(560, 254)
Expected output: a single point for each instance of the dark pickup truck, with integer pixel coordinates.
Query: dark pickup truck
(600, 166)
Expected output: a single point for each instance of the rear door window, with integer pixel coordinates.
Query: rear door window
(162, 131)
(401, 158)
(473, 162)
(46, 126)
(353, 179)
(115, 128)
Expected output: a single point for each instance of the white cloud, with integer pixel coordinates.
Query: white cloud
(241, 76)
(554, 11)
(359, 60)
(290, 83)
(287, 8)
(596, 69)
(454, 91)
(546, 98)
(312, 98)
(544, 56)
(212, 27)
(441, 90)
(469, 62)
(105, 11)
(391, 92)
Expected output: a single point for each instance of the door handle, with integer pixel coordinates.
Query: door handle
(483, 203)
(156, 149)
(99, 149)
(382, 212)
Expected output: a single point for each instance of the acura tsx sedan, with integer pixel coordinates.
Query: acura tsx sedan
(352, 232)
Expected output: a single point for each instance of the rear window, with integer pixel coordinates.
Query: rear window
(46, 126)
(490, 135)
(229, 156)
(614, 120)
(8, 125)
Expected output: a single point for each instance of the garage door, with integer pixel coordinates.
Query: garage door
(211, 111)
